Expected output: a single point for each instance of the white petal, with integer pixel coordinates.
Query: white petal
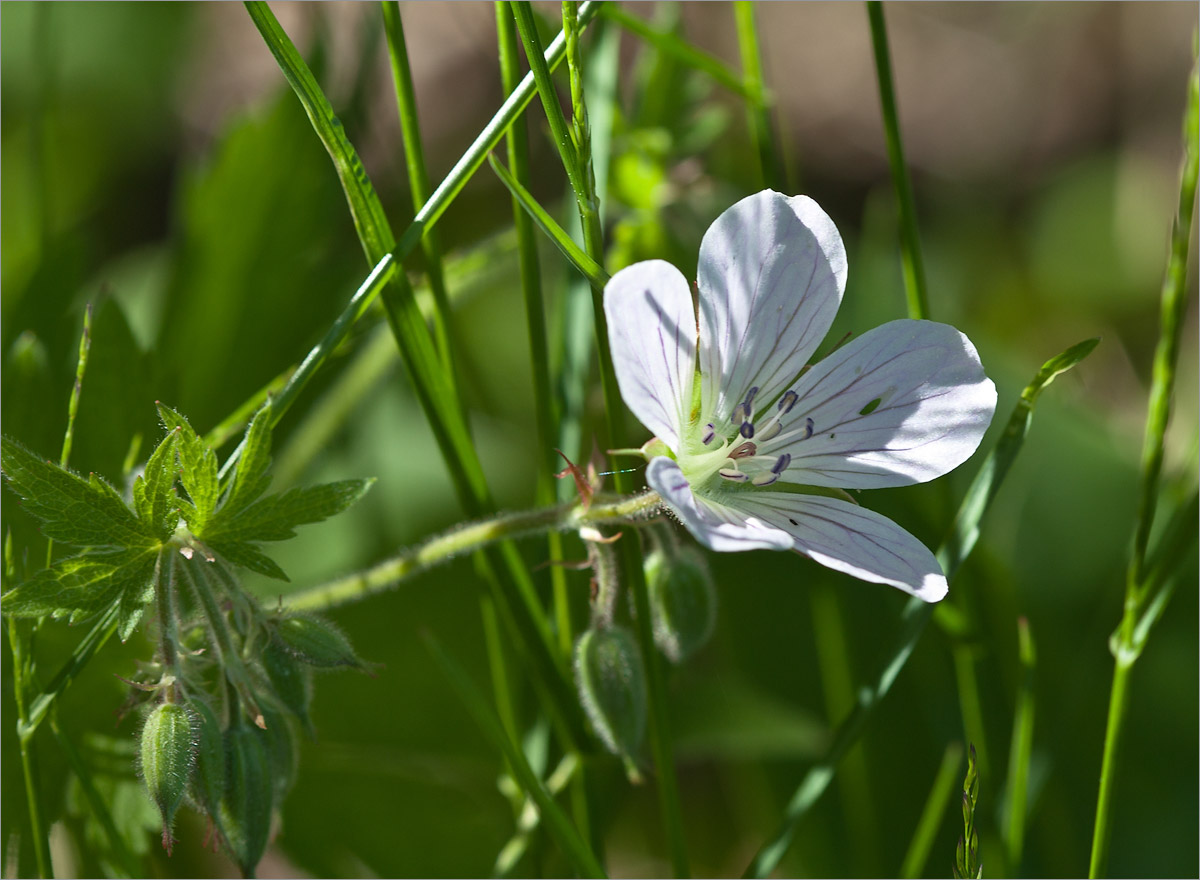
(771, 276)
(716, 526)
(849, 538)
(652, 334)
(934, 405)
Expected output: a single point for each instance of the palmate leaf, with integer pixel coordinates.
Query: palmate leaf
(250, 478)
(72, 510)
(82, 586)
(154, 490)
(198, 471)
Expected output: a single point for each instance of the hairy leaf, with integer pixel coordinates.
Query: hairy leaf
(275, 517)
(199, 470)
(248, 556)
(154, 491)
(72, 510)
(81, 586)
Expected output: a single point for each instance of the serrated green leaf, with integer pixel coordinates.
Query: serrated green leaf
(250, 478)
(72, 510)
(199, 470)
(81, 586)
(136, 591)
(274, 518)
(248, 556)
(154, 491)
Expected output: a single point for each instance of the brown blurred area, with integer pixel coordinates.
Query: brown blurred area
(984, 89)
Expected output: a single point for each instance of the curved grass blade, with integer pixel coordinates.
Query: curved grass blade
(953, 552)
(1021, 750)
(931, 815)
(585, 265)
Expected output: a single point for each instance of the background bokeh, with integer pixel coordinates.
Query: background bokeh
(155, 164)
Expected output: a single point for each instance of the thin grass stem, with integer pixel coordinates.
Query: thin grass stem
(1021, 750)
(418, 176)
(912, 264)
(921, 844)
(759, 104)
(1125, 645)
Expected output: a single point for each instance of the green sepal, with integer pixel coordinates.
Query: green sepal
(683, 602)
(207, 782)
(291, 680)
(81, 586)
(283, 750)
(198, 471)
(154, 490)
(72, 510)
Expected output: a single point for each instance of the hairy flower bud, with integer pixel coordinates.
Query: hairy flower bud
(283, 751)
(244, 812)
(683, 603)
(291, 681)
(168, 749)
(612, 687)
(208, 774)
(317, 642)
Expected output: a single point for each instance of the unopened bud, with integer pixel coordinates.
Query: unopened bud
(244, 813)
(168, 749)
(283, 750)
(317, 642)
(612, 687)
(291, 680)
(683, 603)
(208, 774)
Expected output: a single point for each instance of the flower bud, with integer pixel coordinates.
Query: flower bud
(612, 687)
(291, 681)
(317, 642)
(168, 749)
(683, 603)
(283, 751)
(208, 774)
(244, 812)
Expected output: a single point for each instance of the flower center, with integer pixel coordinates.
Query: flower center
(741, 457)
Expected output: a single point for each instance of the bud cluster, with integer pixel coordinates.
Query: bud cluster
(233, 689)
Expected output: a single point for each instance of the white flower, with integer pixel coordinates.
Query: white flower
(746, 431)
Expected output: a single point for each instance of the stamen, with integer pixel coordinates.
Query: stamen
(739, 414)
(808, 428)
(745, 450)
(733, 474)
(710, 431)
(770, 432)
(765, 479)
(747, 430)
(781, 463)
(787, 402)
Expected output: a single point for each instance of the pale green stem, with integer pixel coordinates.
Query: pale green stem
(1021, 750)
(1125, 644)
(38, 831)
(759, 106)
(475, 536)
(912, 264)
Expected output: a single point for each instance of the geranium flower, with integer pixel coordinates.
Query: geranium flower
(751, 446)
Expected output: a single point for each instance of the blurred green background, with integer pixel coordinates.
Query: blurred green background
(156, 165)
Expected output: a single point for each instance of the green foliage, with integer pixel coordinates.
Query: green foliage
(967, 864)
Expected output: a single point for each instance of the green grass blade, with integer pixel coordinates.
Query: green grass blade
(953, 552)
(758, 105)
(912, 264)
(589, 268)
(1126, 646)
(418, 177)
(931, 816)
(1021, 750)
(557, 824)
(679, 49)
(22, 672)
(484, 143)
